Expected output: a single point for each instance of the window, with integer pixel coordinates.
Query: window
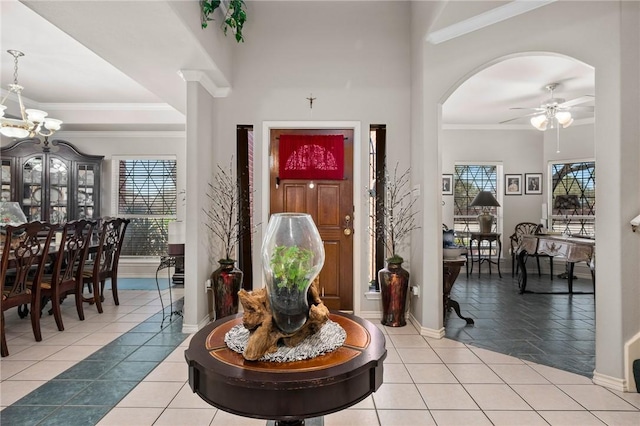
(469, 179)
(377, 160)
(573, 197)
(147, 195)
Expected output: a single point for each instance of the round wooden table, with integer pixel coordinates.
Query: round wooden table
(286, 392)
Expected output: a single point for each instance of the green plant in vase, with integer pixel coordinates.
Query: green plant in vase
(292, 267)
(292, 257)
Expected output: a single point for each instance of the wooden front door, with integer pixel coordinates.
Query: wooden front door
(330, 204)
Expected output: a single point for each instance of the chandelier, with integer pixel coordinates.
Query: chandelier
(32, 122)
(553, 113)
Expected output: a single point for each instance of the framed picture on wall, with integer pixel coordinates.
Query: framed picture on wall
(533, 183)
(447, 184)
(513, 184)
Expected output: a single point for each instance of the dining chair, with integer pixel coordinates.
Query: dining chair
(526, 228)
(25, 252)
(105, 263)
(68, 268)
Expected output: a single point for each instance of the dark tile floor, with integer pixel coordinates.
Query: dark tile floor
(557, 330)
(84, 393)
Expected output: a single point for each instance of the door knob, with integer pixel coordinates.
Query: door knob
(347, 230)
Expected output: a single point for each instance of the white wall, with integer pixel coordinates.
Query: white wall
(590, 32)
(518, 151)
(576, 143)
(352, 56)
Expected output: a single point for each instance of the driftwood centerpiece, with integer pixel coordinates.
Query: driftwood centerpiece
(264, 334)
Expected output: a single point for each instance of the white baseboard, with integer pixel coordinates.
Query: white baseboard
(191, 329)
(371, 315)
(140, 268)
(610, 382)
(424, 331)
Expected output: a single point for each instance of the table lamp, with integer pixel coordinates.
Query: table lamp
(485, 199)
(177, 237)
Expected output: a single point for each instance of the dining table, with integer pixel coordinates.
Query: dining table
(573, 249)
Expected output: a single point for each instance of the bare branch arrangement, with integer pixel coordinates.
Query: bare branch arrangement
(224, 220)
(397, 210)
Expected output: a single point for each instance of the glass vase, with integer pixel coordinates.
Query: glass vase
(292, 256)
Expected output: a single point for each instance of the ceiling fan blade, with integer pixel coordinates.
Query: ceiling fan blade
(577, 101)
(583, 108)
(530, 109)
(517, 118)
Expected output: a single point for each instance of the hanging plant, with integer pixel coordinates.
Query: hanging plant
(235, 15)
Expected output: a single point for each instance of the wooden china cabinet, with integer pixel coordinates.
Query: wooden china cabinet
(52, 181)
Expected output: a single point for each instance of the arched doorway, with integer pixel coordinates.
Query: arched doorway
(479, 127)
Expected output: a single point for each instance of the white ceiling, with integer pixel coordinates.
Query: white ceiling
(519, 82)
(60, 74)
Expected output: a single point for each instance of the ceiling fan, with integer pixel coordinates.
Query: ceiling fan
(554, 112)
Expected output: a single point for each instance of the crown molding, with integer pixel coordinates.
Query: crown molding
(581, 122)
(488, 18)
(108, 107)
(92, 106)
(206, 82)
(488, 127)
(120, 134)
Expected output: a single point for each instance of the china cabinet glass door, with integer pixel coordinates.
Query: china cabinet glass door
(58, 191)
(32, 181)
(86, 196)
(5, 195)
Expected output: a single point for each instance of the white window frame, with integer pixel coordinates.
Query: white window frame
(549, 207)
(115, 184)
(499, 189)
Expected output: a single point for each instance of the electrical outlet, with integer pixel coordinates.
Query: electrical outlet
(415, 290)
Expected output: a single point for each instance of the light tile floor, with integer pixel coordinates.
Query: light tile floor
(426, 381)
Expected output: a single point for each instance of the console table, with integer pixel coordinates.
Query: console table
(573, 249)
(167, 262)
(450, 271)
(478, 238)
(292, 391)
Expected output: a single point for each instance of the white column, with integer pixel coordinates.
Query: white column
(201, 92)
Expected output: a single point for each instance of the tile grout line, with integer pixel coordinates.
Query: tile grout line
(155, 319)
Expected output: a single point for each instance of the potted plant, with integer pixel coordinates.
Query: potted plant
(292, 256)
(225, 227)
(233, 11)
(291, 267)
(398, 222)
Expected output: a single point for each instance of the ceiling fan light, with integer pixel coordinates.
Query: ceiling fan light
(564, 117)
(539, 122)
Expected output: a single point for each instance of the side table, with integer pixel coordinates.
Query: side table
(478, 238)
(450, 271)
(288, 392)
(167, 262)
